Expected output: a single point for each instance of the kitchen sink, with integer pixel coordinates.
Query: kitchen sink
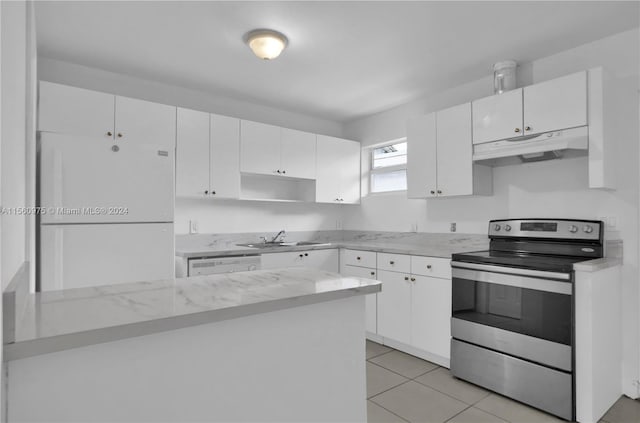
(284, 244)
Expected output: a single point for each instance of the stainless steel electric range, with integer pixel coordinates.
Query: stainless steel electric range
(512, 323)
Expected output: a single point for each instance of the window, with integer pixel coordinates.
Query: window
(389, 167)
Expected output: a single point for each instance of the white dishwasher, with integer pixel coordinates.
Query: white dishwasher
(214, 265)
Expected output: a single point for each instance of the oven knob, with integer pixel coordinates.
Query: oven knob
(496, 227)
(573, 229)
(588, 229)
(507, 228)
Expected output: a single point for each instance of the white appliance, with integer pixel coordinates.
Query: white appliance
(215, 265)
(106, 211)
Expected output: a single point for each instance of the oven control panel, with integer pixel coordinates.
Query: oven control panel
(588, 230)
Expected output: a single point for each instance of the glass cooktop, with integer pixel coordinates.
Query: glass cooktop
(544, 262)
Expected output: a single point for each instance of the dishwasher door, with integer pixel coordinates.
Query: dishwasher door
(215, 265)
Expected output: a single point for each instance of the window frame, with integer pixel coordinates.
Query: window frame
(387, 169)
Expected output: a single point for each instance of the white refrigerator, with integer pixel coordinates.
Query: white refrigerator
(106, 211)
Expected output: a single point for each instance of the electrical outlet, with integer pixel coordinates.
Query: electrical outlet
(452, 228)
(193, 227)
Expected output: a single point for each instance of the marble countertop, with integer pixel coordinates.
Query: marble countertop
(436, 245)
(59, 320)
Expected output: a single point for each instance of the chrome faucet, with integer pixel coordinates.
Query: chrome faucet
(275, 238)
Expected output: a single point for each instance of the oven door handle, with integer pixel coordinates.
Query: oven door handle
(517, 281)
(513, 270)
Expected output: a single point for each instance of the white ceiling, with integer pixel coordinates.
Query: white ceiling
(344, 60)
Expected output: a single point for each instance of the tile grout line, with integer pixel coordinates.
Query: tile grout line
(392, 371)
(387, 390)
(384, 408)
(451, 396)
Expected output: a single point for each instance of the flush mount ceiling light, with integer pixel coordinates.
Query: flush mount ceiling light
(266, 43)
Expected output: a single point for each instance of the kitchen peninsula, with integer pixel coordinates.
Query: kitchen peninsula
(230, 347)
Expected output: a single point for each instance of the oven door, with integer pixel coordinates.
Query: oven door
(523, 313)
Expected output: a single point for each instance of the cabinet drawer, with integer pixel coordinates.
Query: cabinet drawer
(360, 272)
(431, 266)
(394, 262)
(359, 258)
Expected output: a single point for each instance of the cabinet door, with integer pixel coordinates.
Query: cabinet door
(328, 169)
(455, 162)
(350, 175)
(225, 157)
(421, 157)
(326, 260)
(431, 315)
(556, 104)
(371, 305)
(497, 117)
(298, 153)
(145, 122)
(259, 148)
(70, 110)
(279, 260)
(192, 153)
(394, 306)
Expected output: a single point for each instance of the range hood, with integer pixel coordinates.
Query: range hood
(550, 145)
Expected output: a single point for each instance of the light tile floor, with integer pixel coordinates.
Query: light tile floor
(403, 388)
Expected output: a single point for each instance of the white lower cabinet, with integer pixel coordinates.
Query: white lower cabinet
(318, 259)
(431, 315)
(413, 310)
(394, 306)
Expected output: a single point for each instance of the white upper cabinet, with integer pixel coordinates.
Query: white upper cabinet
(145, 122)
(421, 157)
(298, 154)
(192, 153)
(224, 158)
(556, 104)
(272, 150)
(559, 103)
(338, 171)
(439, 156)
(259, 148)
(76, 111)
(207, 157)
(455, 163)
(497, 117)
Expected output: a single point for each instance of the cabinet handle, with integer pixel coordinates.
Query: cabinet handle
(406, 278)
(284, 171)
(300, 256)
(206, 192)
(527, 128)
(109, 133)
(433, 192)
(439, 192)
(357, 258)
(213, 193)
(278, 171)
(119, 134)
(373, 273)
(392, 262)
(306, 254)
(428, 266)
(413, 279)
(337, 199)
(115, 148)
(516, 130)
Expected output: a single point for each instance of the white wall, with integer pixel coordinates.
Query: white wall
(228, 216)
(546, 189)
(212, 216)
